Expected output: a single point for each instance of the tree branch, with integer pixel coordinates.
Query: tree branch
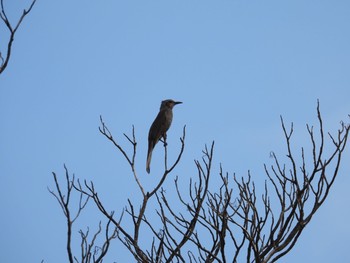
(4, 18)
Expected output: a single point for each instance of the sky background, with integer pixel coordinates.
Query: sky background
(236, 65)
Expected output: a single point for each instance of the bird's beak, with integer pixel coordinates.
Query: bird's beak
(178, 102)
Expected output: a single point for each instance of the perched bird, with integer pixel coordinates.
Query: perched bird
(159, 127)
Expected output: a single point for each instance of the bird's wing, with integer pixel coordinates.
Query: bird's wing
(158, 127)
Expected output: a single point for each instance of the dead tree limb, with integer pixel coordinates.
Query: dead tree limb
(89, 251)
(272, 230)
(12, 29)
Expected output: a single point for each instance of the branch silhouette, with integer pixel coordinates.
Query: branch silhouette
(228, 221)
(89, 251)
(12, 29)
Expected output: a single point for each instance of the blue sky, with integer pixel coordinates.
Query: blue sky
(236, 65)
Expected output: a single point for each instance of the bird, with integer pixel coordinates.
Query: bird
(159, 127)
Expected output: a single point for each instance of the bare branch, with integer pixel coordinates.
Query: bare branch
(63, 200)
(4, 18)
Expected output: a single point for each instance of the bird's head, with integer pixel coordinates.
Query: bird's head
(169, 104)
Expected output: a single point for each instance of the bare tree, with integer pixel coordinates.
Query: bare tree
(12, 29)
(89, 251)
(230, 223)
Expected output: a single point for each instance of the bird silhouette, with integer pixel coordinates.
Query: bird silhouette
(159, 127)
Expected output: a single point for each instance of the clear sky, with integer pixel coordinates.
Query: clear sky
(236, 65)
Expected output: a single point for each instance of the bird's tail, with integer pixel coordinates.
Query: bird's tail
(149, 157)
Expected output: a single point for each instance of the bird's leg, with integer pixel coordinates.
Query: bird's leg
(164, 140)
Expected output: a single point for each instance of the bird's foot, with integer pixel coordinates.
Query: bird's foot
(164, 142)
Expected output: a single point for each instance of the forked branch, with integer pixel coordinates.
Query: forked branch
(12, 29)
(89, 251)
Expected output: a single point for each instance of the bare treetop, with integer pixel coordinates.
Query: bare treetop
(231, 223)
